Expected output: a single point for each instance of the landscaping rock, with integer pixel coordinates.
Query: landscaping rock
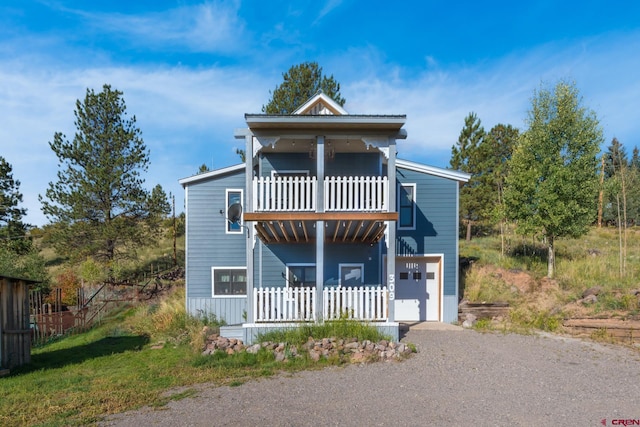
(595, 291)
(589, 299)
(469, 321)
(353, 350)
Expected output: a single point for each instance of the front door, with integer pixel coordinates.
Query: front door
(417, 289)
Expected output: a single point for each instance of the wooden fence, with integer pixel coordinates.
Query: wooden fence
(15, 335)
(49, 317)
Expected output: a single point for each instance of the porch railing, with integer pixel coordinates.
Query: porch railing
(284, 304)
(341, 193)
(280, 304)
(359, 303)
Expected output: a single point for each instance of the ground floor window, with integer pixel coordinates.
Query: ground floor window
(301, 275)
(351, 274)
(229, 281)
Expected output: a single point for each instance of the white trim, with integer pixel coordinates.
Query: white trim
(213, 288)
(329, 103)
(414, 204)
(211, 174)
(432, 170)
(441, 287)
(226, 210)
(350, 264)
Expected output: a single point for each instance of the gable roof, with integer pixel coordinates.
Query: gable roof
(212, 174)
(432, 170)
(404, 164)
(320, 104)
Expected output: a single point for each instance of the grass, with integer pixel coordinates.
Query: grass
(589, 261)
(131, 360)
(337, 328)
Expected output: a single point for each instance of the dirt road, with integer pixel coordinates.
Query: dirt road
(457, 378)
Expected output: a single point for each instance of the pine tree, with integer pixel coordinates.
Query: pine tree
(98, 203)
(13, 231)
(299, 84)
(464, 157)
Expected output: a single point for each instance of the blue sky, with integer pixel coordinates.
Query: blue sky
(189, 70)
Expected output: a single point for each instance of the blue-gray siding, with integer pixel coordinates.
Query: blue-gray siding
(345, 164)
(436, 224)
(276, 257)
(208, 245)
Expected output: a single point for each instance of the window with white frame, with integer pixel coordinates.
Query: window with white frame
(407, 207)
(301, 275)
(233, 196)
(351, 274)
(229, 281)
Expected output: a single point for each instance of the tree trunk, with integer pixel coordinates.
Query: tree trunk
(601, 194)
(551, 261)
(468, 230)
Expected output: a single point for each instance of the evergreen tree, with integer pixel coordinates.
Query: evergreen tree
(98, 203)
(464, 157)
(299, 84)
(13, 231)
(615, 158)
(552, 184)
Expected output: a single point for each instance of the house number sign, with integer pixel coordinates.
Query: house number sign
(392, 287)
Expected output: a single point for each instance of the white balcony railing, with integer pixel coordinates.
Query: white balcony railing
(284, 193)
(356, 193)
(298, 194)
(280, 304)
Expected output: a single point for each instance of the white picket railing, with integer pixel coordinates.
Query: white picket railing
(360, 303)
(356, 193)
(341, 193)
(285, 193)
(281, 304)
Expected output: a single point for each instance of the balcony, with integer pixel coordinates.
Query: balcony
(341, 194)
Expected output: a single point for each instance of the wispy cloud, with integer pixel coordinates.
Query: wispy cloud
(207, 27)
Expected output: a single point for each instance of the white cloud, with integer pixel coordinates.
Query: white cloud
(206, 27)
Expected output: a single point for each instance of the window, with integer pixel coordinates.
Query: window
(407, 207)
(290, 173)
(351, 274)
(233, 196)
(301, 275)
(229, 281)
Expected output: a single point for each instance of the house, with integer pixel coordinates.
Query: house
(15, 331)
(322, 221)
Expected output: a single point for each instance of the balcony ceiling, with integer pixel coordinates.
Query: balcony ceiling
(292, 227)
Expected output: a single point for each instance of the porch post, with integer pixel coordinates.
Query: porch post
(248, 207)
(319, 226)
(391, 228)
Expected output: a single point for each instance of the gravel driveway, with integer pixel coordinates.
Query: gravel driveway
(457, 378)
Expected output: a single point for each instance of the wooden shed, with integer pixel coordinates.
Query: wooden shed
(15, 331)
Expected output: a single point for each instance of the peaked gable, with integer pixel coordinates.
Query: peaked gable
(320, 105)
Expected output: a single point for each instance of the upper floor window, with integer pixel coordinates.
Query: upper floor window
(407, 207)
(233, 196)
